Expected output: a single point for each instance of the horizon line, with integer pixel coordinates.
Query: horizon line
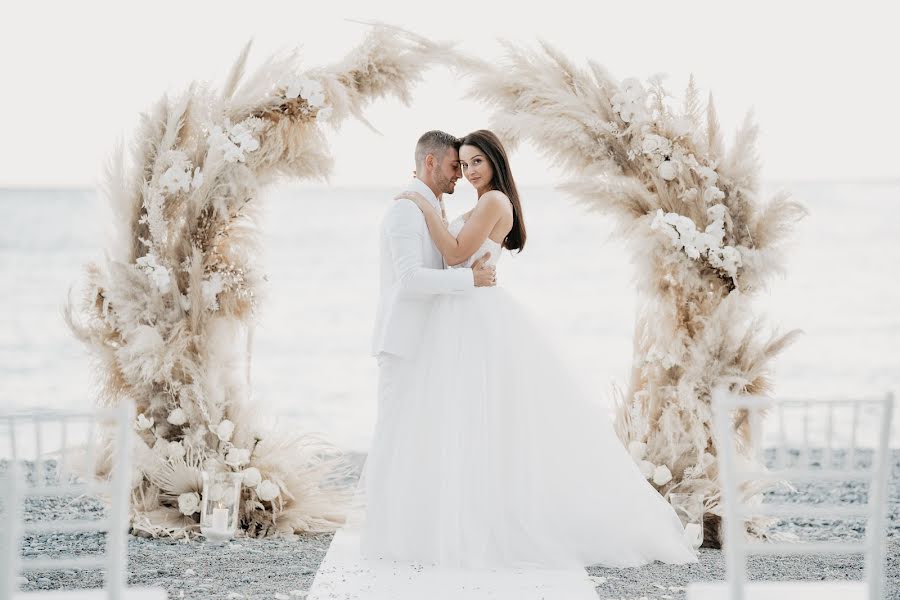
(320, 186)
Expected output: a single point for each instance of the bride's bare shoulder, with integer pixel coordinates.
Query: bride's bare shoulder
(495, 200)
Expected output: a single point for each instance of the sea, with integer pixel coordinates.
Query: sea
(310, 358)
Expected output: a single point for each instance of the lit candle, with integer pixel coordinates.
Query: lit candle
(220, 519)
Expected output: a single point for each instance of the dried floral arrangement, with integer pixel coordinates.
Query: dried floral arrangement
(702, 239)
(168, 316)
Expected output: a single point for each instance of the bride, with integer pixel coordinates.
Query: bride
(496, 457)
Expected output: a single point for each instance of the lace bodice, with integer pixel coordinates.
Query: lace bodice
(489, 245)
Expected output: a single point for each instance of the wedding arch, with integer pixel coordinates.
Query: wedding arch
(167, 315)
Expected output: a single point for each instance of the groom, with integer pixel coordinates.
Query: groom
(413, 272)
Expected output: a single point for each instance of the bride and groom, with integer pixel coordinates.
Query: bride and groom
(486, 453)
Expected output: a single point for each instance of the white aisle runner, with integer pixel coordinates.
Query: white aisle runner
(345, 575)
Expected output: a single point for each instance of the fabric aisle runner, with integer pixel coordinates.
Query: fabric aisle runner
(345, 575)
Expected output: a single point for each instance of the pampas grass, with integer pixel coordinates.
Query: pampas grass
(168, 315)
(703, 240)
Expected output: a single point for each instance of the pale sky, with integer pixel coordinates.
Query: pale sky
(822, 80)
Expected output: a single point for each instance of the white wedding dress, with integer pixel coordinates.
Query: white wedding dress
(496, 476)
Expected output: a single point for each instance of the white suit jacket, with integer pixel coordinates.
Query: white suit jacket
(412, 274)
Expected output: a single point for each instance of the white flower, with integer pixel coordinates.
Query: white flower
(237, 457)
(632, 89)
(161, 447)
(712, 194)
(646, 468)
(143, 422)
(308, 89)
(252, 476)
(662, 475)
(716, 212)
(176, 450)
(691, 250)
(189, 503)
(708, 174)
(242, 135)
(157, 273)
(637, 449)
(177, 417)
(650, 144)
(224, 430)
(211, 288)
(267, 490)
(175, 179)
(668, 170)
(234, 140)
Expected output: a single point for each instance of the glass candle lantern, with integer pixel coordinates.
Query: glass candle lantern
(220, 504)
(689, 508)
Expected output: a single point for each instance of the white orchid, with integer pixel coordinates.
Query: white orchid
(646, 468)
(157, 272)
(175, 179)
(662, 475)
(668, 170)
(189, 503)
(234, 140)
(177, 417)
(712, 194)
(176, 450)
(637, 449)
(225, 430)
(252, 476)
(237, 457)
(267, 490)
(308, 89)
(142, 422)
(210, 288)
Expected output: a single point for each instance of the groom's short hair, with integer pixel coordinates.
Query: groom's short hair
(434, 142)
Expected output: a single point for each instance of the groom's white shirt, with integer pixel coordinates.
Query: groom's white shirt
(412, 274)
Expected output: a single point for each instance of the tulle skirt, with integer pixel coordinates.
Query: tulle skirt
(497, 458)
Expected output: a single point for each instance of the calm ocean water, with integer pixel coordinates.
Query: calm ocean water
(312, 340)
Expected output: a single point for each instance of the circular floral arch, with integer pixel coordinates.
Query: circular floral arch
(166, 314)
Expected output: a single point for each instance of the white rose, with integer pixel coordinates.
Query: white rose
(712, 194)
(662, 475)
(189, 503)
(177, 417)
(267, 490)
(224, 430)
(646, 468)
(632, 89)
(650, 144)
(708, 174)
(143, 422)
(176, 450)
(236, 457)
(667, 170)
(252, 477)
(637, 449)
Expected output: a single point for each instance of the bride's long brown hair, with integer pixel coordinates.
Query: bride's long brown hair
(502, 181)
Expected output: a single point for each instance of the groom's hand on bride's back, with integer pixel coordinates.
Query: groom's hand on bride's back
(485, 275)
